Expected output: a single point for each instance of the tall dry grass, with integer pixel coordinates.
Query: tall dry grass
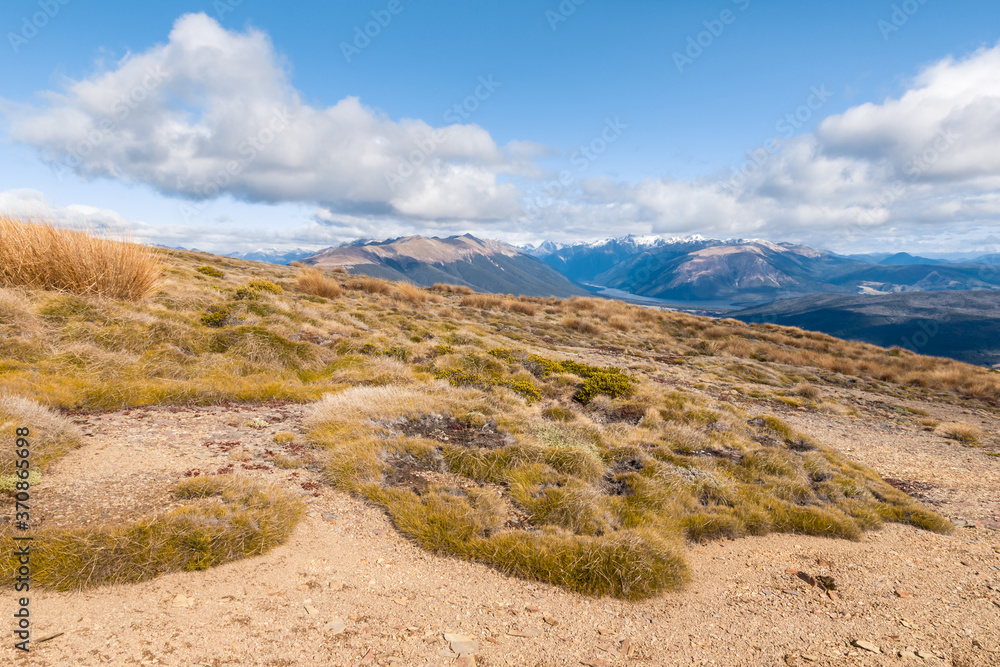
(446, 288)
(412, 293)
(370, 285)
(39, 255)
(318, 283)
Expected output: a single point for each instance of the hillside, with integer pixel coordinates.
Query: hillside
(406, 475)
(959, 325)
(484, 266)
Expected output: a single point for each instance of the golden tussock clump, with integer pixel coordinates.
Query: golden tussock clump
(594, 495)
(445, 288)
(228, 518)
(967, 434)
(314, 281)
(50, 437)
(412, 293)
(370, 285)
(39, 255)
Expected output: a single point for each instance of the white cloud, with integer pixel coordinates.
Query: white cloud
(907, 166)
(212, 111)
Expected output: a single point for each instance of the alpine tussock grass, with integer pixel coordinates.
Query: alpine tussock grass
(228, 518)
(314, 281)
(39, 255)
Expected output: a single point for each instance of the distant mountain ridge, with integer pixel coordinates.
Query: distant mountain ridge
(752, 271)
(273, 255)
(483, 265)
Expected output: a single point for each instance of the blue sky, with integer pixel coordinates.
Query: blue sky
(891, 147)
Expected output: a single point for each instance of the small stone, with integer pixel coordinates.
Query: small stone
(462, 644)
(832, 595)
(526, 632)
(907, 624)
(904, 595)
(182, 601)
(550, 621)
(925, 655)
(866, 645)
(400, 601)
(465, 646)
(336, 585)
(809, 658)
(907, 655)
(447, 654)
(312, 611)
(335, 627)
(326, 516)
(530, 608)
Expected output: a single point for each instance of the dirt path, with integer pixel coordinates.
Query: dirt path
(347, 589)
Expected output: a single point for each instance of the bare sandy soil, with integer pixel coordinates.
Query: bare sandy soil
(347, 589)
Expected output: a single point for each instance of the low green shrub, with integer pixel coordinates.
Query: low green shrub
(218, 316)
(211, 271)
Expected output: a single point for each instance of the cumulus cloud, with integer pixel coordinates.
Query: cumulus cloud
(212, 111)
(903, 167)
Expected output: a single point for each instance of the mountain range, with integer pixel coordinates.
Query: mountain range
(485, 266)
(933, 306)
(744, 272)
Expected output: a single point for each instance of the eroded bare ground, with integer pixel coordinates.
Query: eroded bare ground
(897, 589)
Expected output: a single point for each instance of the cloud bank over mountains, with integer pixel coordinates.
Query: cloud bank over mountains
(212, 112)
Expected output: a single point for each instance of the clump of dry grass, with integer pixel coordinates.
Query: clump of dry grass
(580, 325)
(606, 505)
(806, 390)
(446, 288)
(370, 285)
(314, 281)
(967, 434)
(412, 293)
(229, 518)
(51, 435)
(484, 301)
(39, 255)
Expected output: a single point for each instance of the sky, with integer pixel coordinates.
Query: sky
(230, 125)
